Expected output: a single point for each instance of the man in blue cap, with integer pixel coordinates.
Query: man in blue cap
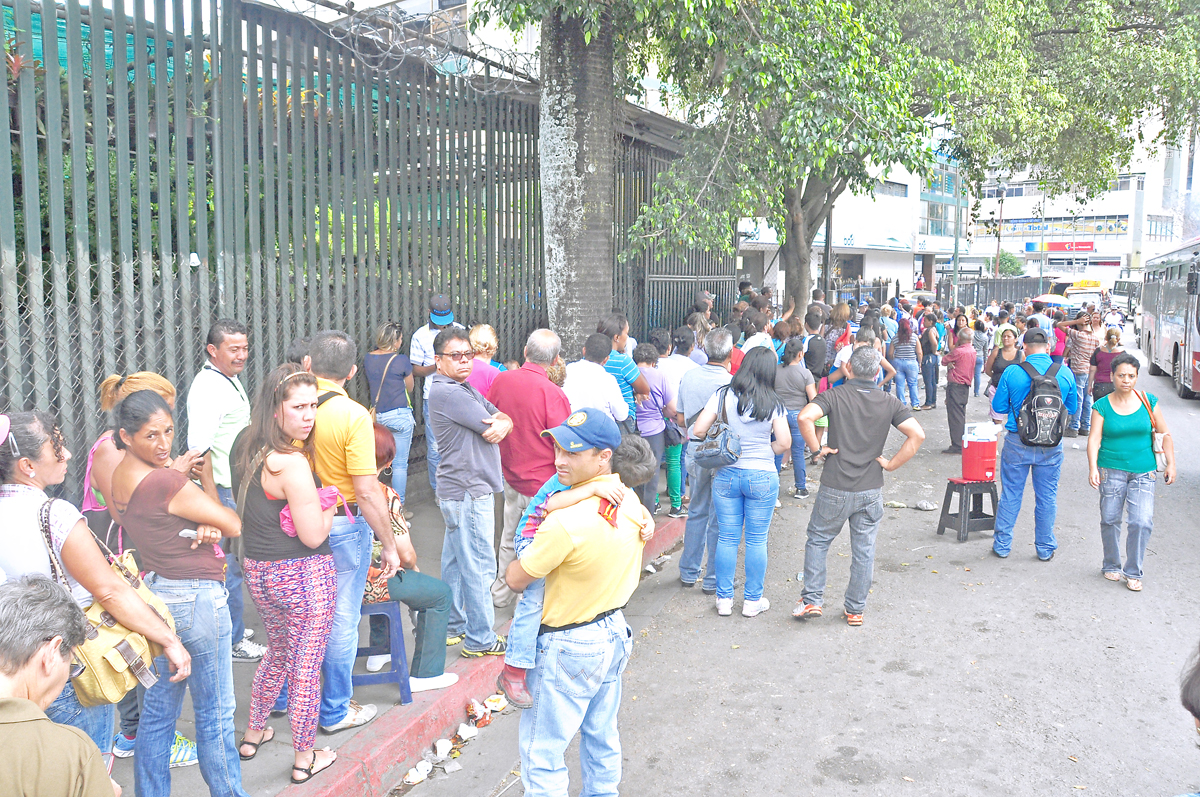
(424, 364)
(590, 554)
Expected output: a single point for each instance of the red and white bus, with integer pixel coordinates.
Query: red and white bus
(1170, 332)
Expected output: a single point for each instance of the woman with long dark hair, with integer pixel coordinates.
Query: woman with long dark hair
(290, 573)
(745, 493)
(905, 355)
(175, 526)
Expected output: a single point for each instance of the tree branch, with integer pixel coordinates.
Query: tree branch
(1140, 26)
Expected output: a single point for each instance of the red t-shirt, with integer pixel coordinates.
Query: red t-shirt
(155, 531)
(735, 360)
(535, 404)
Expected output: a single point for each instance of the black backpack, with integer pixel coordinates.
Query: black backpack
(1043, 415)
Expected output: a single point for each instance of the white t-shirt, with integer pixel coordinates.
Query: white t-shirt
(24, 548)
(757, 339)
(420, 349)
(755, 435)
(590, 385)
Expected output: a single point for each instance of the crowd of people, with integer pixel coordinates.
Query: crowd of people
(297, 498)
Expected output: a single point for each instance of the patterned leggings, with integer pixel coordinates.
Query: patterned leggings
(295, 598)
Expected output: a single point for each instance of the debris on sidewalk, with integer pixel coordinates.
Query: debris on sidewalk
(895, 505)
(478, 714)
(418, 773)
(927, 506)
(496, 703)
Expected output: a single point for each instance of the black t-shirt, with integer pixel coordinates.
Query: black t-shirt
(263, 539)
(860, 417)
(814, 356)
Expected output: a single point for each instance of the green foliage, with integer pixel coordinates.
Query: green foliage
(1010, 264)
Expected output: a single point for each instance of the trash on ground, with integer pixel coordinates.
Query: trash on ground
(927, 506)
(895, 505)
(467, 732)
(662, 560)
(442, 747)
(496, 703)
(418, 773)
(452, 766)
(478, 714)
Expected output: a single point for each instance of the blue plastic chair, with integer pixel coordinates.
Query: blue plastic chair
(398, 674)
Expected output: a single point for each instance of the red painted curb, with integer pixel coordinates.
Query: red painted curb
(374, 762)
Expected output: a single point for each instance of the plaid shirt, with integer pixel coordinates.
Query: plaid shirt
(1083, 343)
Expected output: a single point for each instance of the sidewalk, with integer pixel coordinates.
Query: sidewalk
(372, 760)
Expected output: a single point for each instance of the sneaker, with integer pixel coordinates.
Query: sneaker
(248, 651)
(688, 584)
(755, 608)
(798, 492)
(455, 639)
(123, 745)
(434, 682)
(677, 511)
(853, 619)
(806, 610)
(377, 663)
(724, 606)
(497, 649)
(183, 752)
(355, 717)
(248, 634)
(1069, 432)
(708, 590)
(778, 504)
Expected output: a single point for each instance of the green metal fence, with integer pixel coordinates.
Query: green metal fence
(183, 161)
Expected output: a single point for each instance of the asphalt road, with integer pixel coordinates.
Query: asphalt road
(971, 675)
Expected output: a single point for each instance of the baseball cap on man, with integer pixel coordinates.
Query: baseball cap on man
(1036, 336)
(704, 296)
(439, 309)
(584, 429)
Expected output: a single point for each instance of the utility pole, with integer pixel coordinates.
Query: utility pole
(957, 228)
(1000, 227)
(1042, 263)
(827, 266)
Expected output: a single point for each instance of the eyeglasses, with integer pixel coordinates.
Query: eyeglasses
(458, 356)
(77, 668)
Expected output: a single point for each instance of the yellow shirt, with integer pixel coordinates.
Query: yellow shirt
(344, 441)
(589, 566)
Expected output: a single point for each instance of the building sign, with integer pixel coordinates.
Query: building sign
(1080, 225)
(1060, 246)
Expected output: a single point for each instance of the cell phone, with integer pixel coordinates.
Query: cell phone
(189, 534)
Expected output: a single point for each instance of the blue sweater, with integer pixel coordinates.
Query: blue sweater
(1014, 387)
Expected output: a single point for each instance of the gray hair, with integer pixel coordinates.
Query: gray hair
(864, 362)
(542, 347)
(332, 354)
(34, 610)
(718, 344)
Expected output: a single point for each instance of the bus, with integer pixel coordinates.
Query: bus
(1126, 296)
(1170, 336)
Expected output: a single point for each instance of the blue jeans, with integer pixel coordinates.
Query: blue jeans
(906, 380)
(201, 614)
(798, 471)
(830, 512)
(1017, 461)
(432, 458)
(700, 531)
(469, 567)
(95, 721)
(401, 423)
(233, 576)
(1082, 419)
(978, 373)
(350, 542)
(527, 619)
(1133, 493)
(929, 370)
(743, 499)
(576, 688)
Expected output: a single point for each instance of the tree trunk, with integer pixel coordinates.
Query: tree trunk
(796, 253)
(576, 147)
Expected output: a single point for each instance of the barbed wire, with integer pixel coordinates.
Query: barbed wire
(387, 38)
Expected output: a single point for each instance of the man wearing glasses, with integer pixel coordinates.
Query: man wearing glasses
(41, 625)
(468, 429)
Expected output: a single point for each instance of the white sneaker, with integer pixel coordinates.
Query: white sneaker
(355, 717)
(249, 634)
(436, 682)
(377, 663)
(248, 651)
(778, 504)
(724, 606)
(755, 608)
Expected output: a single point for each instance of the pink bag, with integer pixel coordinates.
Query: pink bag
(329, 496)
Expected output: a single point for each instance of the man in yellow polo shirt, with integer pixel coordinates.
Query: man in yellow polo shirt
(590, 554)
(345, 457)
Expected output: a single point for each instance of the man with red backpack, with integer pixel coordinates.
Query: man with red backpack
(1038, 396)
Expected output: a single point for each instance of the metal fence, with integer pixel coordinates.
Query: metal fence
(173, 162)
(982, 291)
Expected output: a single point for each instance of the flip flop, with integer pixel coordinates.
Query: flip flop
(255, 745)
(310, 771)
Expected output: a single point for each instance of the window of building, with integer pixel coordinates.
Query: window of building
(889, 188)
(937, 218)
(1160, 228)
(1125, 182)
(942, 180)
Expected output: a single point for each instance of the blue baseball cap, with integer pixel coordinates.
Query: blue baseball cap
(584, 429)
(440, 311)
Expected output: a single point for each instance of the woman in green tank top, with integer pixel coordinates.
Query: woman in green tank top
(1121, 464)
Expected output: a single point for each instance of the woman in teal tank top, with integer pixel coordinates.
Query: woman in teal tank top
(1121, 464)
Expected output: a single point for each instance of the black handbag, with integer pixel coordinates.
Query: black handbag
(672, 434)
(720, 446)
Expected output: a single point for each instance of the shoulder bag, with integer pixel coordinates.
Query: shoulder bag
(382, 379)
(720, 446)
(115, 659)
(1156, 437)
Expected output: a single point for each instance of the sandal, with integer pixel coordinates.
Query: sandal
(1134, 584)
(311, 771)
(255, 745)
(1112, 575)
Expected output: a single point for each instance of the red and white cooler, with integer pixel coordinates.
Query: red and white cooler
(979, 452)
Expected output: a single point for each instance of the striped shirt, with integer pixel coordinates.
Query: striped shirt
(1083, 343)
(904, 351)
